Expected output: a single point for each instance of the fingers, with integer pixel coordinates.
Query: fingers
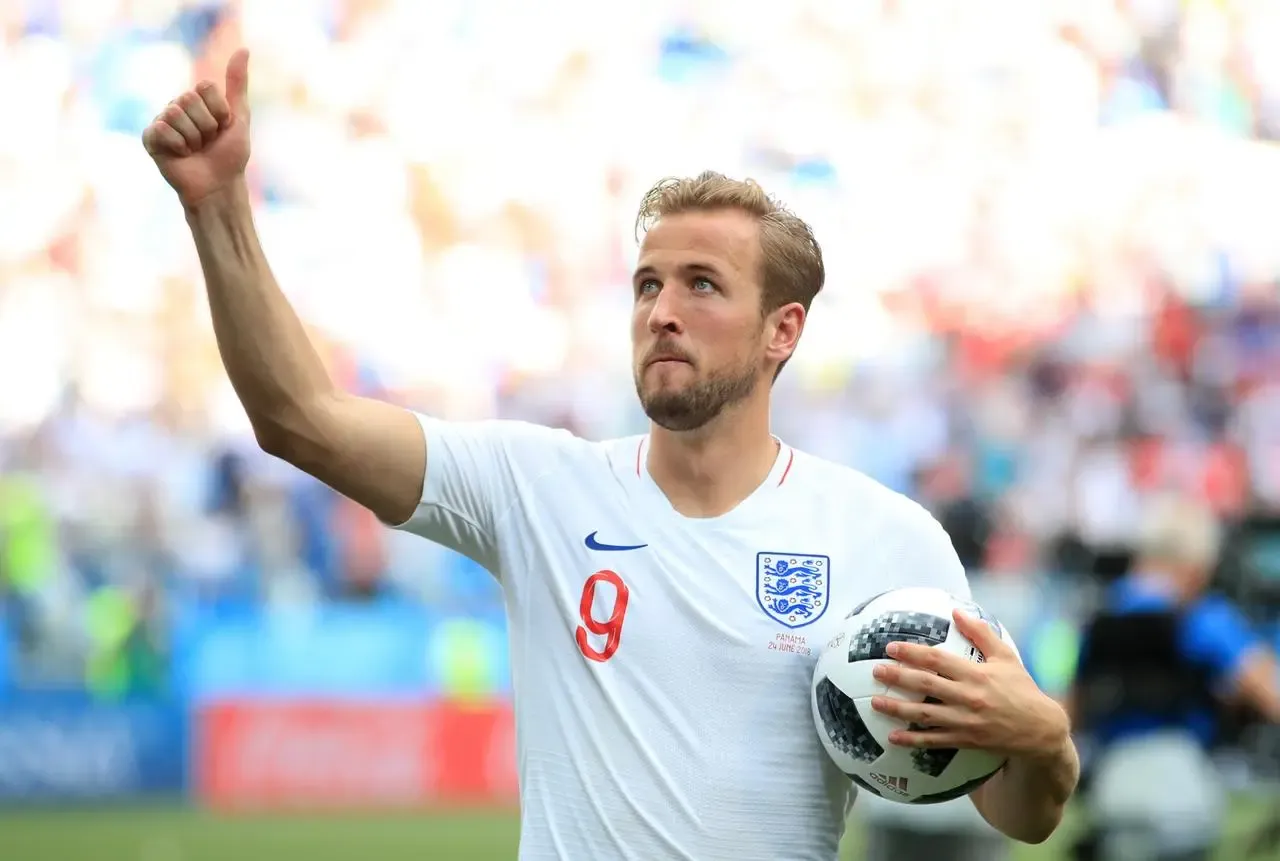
(934, 660)
(189, 123)
(926, 714)
(921, 682)
(175, 116)
(161, 139)
(194, 120)
(927, 738)
(214, 102)
(983, 635)
(193, 104)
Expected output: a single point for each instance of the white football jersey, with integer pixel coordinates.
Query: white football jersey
(661, 664)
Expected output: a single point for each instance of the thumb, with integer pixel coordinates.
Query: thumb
(238, 83)
(982, 634)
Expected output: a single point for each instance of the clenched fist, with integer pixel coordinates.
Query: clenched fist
(200, 141)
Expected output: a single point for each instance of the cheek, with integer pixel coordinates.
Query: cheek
(728, 346)
(746, 334)
(640, 334)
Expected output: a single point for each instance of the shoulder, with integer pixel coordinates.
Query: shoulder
(503, 454)
(494, 431)
(905, 540)
(511, 437)
(1215, 631)
(1215, 613)
(861, 500)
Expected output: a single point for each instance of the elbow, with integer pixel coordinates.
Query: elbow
(1041, 833)
(1027, 815)
(1033, 830)
(291, 436)
(273, 440)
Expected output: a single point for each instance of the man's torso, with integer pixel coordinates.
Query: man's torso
(662, 690)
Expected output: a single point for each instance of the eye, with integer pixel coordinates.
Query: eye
(703, 285)
(647, 286)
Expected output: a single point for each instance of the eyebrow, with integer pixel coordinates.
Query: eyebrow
(687, 268)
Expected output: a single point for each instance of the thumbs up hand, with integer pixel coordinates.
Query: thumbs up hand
(200, 141)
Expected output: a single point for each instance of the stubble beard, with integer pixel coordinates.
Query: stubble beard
(696, 404)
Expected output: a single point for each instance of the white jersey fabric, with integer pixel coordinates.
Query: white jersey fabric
(661, 664)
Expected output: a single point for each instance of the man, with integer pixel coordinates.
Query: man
(662, 696)
(1155, 793)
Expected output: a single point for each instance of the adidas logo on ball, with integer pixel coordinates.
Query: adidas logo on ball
(893, 783)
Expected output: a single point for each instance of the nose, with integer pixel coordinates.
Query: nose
(663, 314)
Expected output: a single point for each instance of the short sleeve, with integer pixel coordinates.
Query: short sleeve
(1219, 637)
(925, 556)
(475, 474)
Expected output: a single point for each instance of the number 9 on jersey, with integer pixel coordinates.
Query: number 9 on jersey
(603, 609)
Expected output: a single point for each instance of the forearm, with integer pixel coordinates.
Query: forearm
(1027, 798)
(275, 370)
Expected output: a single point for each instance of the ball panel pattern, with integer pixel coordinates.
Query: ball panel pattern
(844, 725)
(856, 736)
(956, 792)
(897, 627)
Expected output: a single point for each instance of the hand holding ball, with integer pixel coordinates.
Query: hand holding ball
(899, 696)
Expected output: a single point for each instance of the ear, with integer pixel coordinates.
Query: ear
(784, 327)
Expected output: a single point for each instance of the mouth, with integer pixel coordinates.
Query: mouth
(665, 363)
(666, 360)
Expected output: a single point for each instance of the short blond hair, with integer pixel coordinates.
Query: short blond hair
(1180, 530)
(791, 259)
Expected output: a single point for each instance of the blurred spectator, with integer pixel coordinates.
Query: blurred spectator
(1153, 790)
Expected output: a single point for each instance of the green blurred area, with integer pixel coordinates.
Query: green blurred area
(184, 834)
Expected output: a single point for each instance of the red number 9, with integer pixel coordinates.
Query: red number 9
(611, 628)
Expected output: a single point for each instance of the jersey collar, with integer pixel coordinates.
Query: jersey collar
(779, 474)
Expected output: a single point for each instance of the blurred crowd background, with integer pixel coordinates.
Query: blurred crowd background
(1050, 230)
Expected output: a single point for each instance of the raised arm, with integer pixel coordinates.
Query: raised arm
(373, 452)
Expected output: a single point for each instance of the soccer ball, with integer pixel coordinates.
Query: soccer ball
(856, 736)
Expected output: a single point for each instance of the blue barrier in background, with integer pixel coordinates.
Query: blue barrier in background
(374, 650)
(69, 747)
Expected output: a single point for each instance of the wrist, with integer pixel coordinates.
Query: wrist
(232, 197)
(1058, 748)
(1053, 761)
(1053, 743)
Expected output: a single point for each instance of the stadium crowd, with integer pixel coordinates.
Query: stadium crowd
(1050, 241)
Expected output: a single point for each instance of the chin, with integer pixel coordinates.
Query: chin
(656, 397)
(676, 420)
(672, 408)
(685, 403)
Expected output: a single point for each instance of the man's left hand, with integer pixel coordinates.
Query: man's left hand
(992, 705)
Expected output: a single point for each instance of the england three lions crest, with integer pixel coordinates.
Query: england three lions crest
(793, 588)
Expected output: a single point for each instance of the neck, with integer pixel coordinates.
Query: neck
(707, 472)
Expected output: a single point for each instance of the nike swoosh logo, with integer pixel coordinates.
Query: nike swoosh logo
(592, 544)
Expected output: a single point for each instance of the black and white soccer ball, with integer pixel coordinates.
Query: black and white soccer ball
(856, 736)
